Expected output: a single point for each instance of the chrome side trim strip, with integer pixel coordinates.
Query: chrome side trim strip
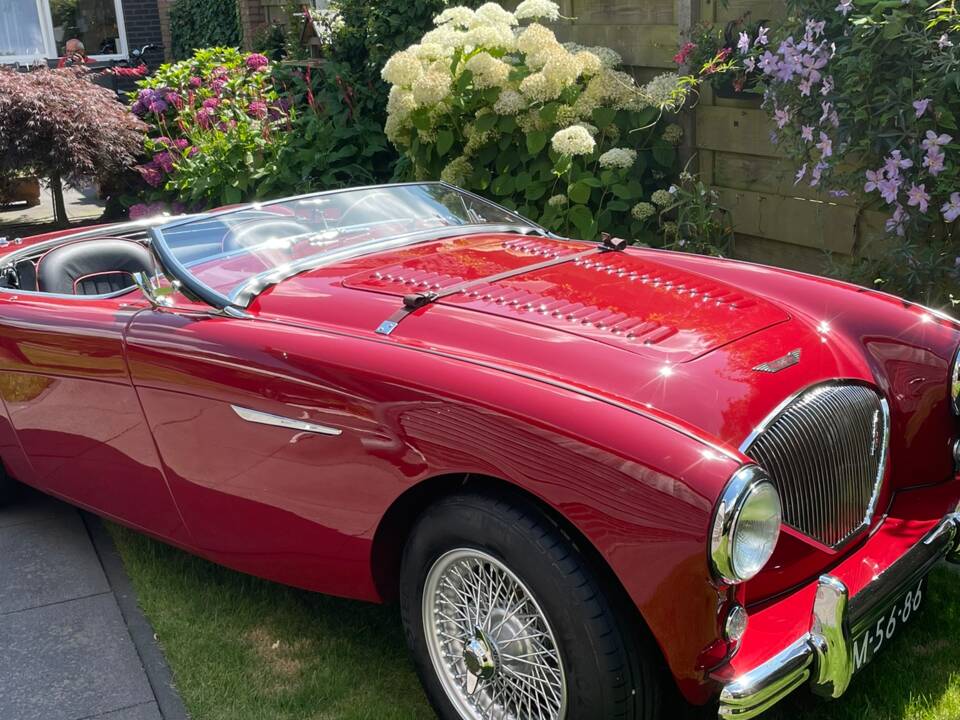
(262, 418)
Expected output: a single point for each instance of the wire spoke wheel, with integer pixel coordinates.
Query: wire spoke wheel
(490, 643)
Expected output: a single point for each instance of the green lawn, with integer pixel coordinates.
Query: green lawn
(246, 649)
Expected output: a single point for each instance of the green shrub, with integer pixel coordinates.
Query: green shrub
(554, 132)
(198, 24)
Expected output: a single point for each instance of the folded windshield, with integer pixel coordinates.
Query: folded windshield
(228, 257)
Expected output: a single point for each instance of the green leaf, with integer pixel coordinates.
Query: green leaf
(508, 123)
(231, 195)
(582, 218)
(603, 116)
(618, 206)
(548, 113)
(536, 141)
(623, 192)
(420, 119)
(579, 193)
(444, 142)
(502, 185)
(535, 191)
(664, 154)
(485, 122)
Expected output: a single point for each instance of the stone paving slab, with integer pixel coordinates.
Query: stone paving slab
(73, 643)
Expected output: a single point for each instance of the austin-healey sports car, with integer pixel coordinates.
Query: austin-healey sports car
(594, 477)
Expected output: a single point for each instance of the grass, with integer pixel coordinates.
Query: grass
(246, 649)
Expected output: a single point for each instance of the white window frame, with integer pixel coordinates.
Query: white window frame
(50, 45)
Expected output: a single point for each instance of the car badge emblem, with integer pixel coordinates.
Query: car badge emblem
(781, 363)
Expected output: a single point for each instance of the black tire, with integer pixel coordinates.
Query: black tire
(8, 488)
(611, 669)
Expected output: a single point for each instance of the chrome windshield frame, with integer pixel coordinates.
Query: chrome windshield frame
(241, 297)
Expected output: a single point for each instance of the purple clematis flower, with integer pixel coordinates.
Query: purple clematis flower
(801, 173)
(934, 140)
(944, 42)
(762, 38)
(825, 145)
(889, 189)
(743, 44)
(951, 209)
(845, 7)
(917, 196)
(874, 178)
(933, 160)
(921, 106)
(806, 132)
(895, 163)
(896, 222)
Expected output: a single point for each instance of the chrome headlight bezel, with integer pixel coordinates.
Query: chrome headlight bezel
(746, 485)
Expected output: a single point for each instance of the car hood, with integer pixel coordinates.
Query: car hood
(634, 303)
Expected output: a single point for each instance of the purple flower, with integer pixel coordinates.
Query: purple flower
(917, 196)
(150, 174)
(163, 161)
(204, 117)
(889, 188)
(827, 85)
(138, 108)
(933, 160)
(762, 38)
(140, 210)
(181, 144)
(897, 220)
(815, 28)
(804, 87)
(750, 64)
(895, 163)
(845, 7)
(800, 173)
(257, 109)
(782, 117)
(934, 140)
(195, 82)
(951, 209)
(825, 145)
(921, 106)
(816, 173)
(743, 44)
(256, 61)
(839, 193)
(806, 132)
(944, 42)
(874, 178)
(210, 103)
(157, 106)
(826, 107)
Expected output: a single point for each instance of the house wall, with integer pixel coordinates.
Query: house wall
(142, 21)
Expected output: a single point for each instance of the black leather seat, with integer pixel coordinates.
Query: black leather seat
(92, 267)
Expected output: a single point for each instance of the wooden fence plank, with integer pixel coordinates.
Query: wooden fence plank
(740, 130)
(797, 221)
(771, 10)
(767, 175)
(623, 12)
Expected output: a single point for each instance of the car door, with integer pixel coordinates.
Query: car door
(276, 460)
(68, 395)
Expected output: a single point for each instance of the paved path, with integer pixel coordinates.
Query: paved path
(73, 644)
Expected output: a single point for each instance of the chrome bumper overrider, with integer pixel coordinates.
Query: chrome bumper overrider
(824, 656)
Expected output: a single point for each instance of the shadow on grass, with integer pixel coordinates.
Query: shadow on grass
(243, 648)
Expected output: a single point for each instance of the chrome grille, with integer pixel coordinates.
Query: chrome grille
(825, 450)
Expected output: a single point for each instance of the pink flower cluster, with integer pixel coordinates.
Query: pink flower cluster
(163, 162)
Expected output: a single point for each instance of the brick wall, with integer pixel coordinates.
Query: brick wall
(252, 19)
(163, 8)
(142, 21)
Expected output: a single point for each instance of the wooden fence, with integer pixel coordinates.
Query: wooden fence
(776, 221)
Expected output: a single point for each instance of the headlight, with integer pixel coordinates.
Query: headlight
(955, 383)
(746, 525)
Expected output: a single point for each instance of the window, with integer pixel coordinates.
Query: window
(38, 30)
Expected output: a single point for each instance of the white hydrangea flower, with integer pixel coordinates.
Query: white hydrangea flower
(429, 52)
(445, 36)
(531, 121)
(431, 88)
(574, 140)
(492, 14)
(661, 198)
(562, 68)
(619, 158)
(537, 88)
(558, 201)
(664, 92)
(487, 70)
(394, 129)
(400, 103)
(673, 134)
(535, 38)
(456, 171)
(590, 128)
(642, 211)
(458, 16)
(534, 9)
(589, 62)
(609, 58)
(403, 68)
(491, 36)
(510, 102)
(670, 229)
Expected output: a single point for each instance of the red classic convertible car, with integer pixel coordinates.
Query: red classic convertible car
(592, 475)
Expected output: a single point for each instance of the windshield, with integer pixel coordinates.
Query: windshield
(229, 257)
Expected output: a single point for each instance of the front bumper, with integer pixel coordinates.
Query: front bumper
(823, 657)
